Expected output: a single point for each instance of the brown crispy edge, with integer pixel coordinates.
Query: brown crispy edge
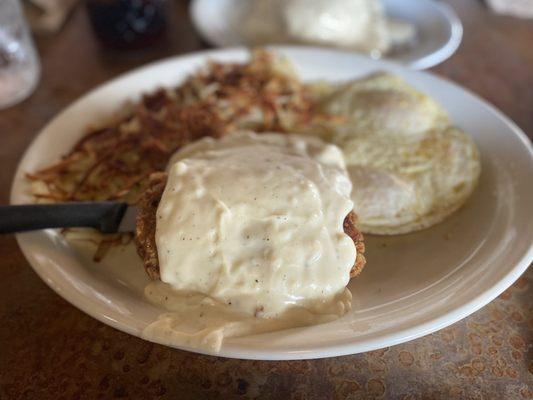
(145, 226)
(350, 228)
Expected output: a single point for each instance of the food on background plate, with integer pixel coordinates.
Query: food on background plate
(247, 234)
(360, 25)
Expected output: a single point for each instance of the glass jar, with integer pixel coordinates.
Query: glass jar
(128, 24)
(19, 63)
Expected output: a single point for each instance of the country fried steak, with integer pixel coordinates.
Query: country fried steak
(146, 225)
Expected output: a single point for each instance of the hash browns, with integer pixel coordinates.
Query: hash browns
(114, 162)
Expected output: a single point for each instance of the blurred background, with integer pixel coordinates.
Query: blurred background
(100, 38)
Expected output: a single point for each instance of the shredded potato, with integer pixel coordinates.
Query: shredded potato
(115, 161)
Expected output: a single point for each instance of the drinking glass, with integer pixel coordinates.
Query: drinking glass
(19, 64)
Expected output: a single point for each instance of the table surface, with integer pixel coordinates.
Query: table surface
(49, 349)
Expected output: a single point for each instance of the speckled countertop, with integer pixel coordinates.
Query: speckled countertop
(51, 350)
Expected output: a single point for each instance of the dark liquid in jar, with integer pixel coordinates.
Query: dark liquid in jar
(127, 24)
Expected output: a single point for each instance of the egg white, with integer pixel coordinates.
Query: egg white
(409, 167)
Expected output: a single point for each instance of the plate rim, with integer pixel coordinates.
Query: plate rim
(429, 60)
(24, 240)
(450, 47)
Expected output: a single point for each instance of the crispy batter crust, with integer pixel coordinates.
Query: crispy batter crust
(146, 227)
(350, 228)
(146, 223)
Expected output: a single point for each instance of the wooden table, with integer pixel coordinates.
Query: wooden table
(51, 350)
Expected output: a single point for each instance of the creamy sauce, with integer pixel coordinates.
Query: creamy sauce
(250, 238)
(199, 321)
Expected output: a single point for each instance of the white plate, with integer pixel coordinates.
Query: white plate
(413, 284)
(439, 29)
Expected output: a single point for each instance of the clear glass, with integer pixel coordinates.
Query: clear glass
(19, 64)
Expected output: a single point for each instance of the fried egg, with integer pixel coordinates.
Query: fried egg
(410, 168)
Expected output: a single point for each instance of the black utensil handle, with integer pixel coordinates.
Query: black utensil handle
(104, 216)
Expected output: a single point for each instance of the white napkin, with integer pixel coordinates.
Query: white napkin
(516, 8)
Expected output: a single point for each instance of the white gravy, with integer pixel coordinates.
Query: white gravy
(250, 238)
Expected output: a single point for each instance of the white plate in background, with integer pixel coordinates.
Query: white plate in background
(412, 285)
(439, 28)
